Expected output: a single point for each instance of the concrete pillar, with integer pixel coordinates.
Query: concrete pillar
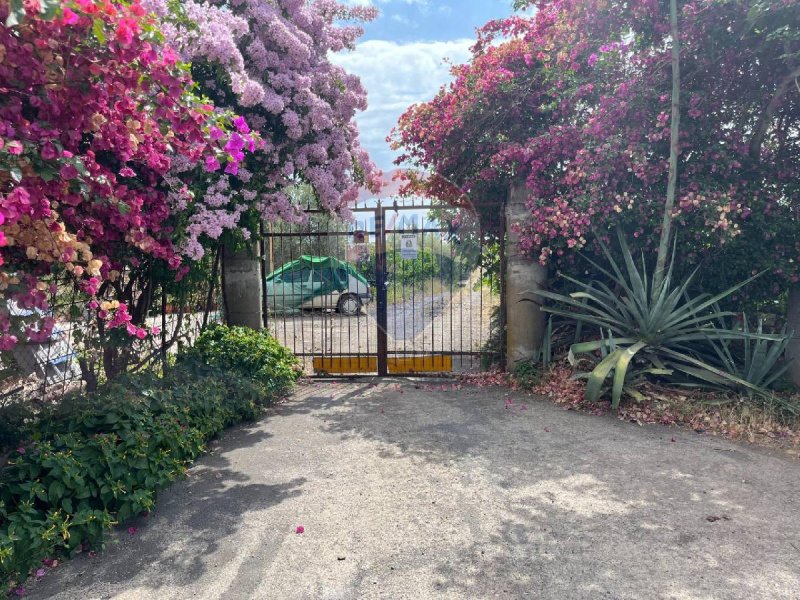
(242, 287)
(793, 325)
(525, 320)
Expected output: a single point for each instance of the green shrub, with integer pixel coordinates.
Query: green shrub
(98, 460)
(527, 374)
(649, 327)
(252, 354)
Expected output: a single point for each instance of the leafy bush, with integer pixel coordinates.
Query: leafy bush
(98, 460)
(658, 328)
(252, 354)
(527, 375)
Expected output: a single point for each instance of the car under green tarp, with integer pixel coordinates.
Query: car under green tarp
(316, 282)
(323, 263)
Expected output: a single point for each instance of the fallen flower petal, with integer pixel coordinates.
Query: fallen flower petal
(300, 529)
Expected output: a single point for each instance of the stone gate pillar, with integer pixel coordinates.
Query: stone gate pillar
(525, 320)
(242, 287)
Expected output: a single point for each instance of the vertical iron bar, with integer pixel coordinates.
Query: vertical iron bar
(380, 277)
(264, 272)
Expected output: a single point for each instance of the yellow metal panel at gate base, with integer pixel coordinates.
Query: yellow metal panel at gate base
(420, 364)
(396, 365)
(345, 364)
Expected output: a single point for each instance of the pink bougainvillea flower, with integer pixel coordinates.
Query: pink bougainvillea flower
(241, 125)
(132, 530)
(68, 17)
(215, 133)
(14, 147)
(300, 529)
(20, 450)
(212, 164)
(68, 172)
(20, 591)
(127, 172)
(126, 29)
(40, 573)
(50, 562)
(49, 151)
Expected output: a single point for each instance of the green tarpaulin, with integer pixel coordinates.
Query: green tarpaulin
(321, 263)
(311, 281)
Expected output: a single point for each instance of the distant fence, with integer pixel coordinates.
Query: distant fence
(81, 354)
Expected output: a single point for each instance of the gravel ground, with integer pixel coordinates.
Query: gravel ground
(412, 491)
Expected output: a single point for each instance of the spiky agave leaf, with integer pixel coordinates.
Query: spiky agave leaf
(663, 320)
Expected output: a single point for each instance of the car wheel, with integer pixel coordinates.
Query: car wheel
(349, 305)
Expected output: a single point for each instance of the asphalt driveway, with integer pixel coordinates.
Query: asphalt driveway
(417, 491)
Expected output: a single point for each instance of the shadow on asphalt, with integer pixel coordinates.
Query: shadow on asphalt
(478, 498)
(587, 501)
(202, 513)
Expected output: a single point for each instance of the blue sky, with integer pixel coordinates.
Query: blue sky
(402, 58)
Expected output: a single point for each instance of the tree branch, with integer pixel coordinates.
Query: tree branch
(764, 121)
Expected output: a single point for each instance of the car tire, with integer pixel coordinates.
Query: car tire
(349, 305)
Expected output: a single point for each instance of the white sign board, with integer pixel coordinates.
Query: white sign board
(408, 246)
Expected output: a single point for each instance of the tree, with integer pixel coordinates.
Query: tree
(93, 113)
(268, 61)
(583, 115)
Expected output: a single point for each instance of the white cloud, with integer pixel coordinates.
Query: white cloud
(396, 76)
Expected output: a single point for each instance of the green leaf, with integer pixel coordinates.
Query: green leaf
(50, 8)
(597, 377)
(16, 174)
(621, 370)
(56, 491)
(16, 13)
(98, 30)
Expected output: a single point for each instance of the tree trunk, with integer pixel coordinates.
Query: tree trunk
(242, 287)
(793, 325)
(674, 141)
(524, 276)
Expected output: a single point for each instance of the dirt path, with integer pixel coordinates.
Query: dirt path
(414, 491)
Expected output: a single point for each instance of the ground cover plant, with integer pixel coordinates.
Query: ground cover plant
(96, 460)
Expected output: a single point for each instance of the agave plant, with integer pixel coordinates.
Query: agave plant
(659, 324)
(757, 360)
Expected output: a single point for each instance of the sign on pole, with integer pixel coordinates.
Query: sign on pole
(408, 246)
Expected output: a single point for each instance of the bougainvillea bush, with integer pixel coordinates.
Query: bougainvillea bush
(269, 62)
(92, 114)
(122, 162)
(575, 101)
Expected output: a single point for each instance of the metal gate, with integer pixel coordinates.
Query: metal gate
(401, 289)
